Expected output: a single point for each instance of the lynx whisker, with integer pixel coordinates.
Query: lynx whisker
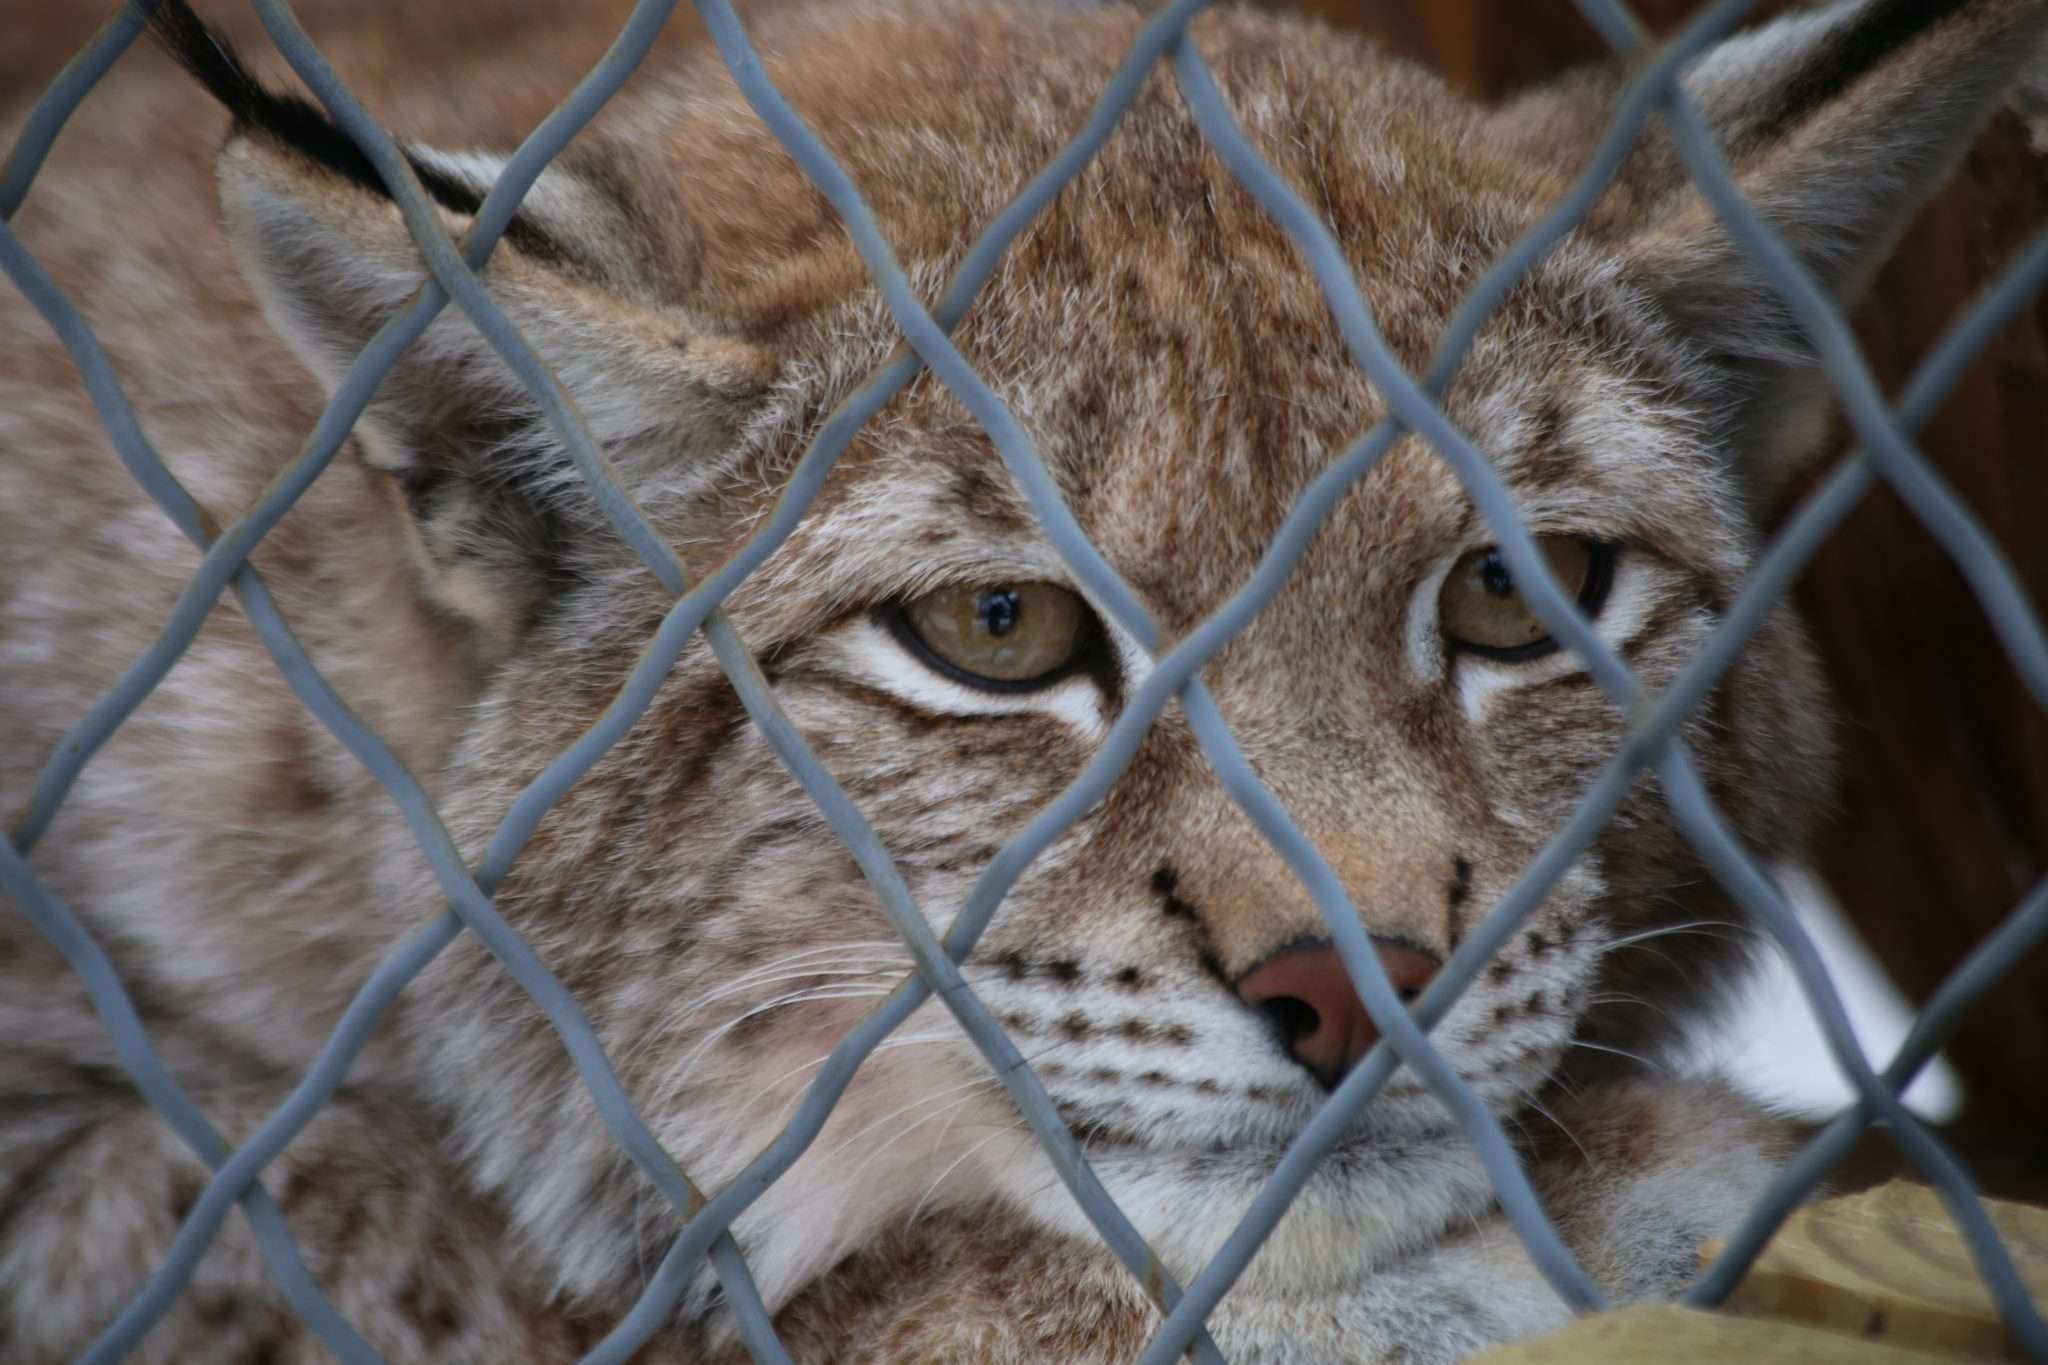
(818, 974)
(972, 1083)
(1649, 1063)
(949, 1112)
(794, 998)
(1703, 928)
(1015, 1128)
(796, 1095)
(1530, 1103)
(1624, 998)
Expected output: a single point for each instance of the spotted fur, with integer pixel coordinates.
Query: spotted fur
(1174, 362)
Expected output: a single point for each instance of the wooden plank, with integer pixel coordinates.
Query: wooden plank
(1889, 1264)
(1669, 1335)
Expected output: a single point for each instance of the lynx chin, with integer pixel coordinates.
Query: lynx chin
(1642, 391)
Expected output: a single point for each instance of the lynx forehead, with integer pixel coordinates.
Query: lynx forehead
(1175, 365)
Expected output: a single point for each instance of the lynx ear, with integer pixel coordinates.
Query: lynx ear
(496, 512)
(1838, 124)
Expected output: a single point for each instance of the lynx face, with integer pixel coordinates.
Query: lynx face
(1176, 367)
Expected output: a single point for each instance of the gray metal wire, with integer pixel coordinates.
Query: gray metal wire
(1888, 453)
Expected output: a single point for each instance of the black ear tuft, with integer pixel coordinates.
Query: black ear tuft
(287, 120)
(1877, 34)
(1837, 123)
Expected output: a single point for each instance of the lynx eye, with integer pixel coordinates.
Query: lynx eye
(1010, 636)
(1481, 610)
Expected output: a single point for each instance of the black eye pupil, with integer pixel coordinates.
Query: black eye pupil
(998, 611)
(1494, 575)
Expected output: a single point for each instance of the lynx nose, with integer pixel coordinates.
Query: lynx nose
(1307, 994)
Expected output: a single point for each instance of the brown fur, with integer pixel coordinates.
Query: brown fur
(1176, 366)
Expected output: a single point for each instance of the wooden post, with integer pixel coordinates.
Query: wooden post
(1878, 1278)
(1890, 1265)
(1664, 1334)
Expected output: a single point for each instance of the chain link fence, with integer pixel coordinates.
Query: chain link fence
(1886, 453)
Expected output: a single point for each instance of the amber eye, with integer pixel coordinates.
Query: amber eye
(1481, 609)
(1010, 636)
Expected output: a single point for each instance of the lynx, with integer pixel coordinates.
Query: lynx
(1642, 391)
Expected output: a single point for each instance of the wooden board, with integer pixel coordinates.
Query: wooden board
(1890, 1265)
(1664, 1334)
